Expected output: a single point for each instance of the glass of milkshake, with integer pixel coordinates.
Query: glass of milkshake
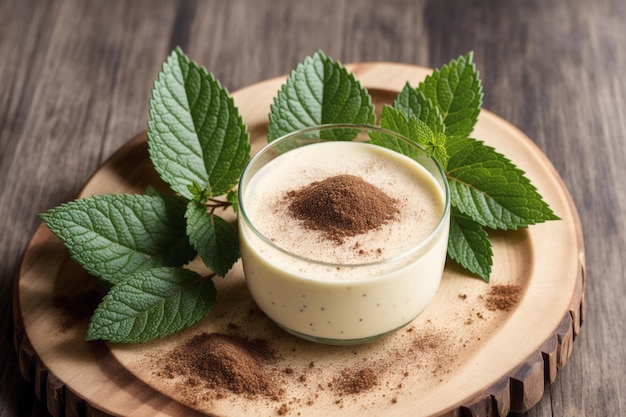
(343, 240)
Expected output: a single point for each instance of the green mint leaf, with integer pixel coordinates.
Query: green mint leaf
(395, 121)
(413, 103)
(233, 198)
(195, 132)
(113, 236)
(456, 90)
(413, 129)
(152, 304)
(319, 91)
(216, 240)
(437, 149)
(199, 194)
(469, 245)
(487, 187)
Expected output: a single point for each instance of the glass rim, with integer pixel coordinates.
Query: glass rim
(363, 127)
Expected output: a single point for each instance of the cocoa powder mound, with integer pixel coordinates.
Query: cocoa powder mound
(228, 362)
(342, 206)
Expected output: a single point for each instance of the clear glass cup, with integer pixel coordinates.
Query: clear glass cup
(318, 298)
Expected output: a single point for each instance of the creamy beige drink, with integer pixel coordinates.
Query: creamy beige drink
(352, 286)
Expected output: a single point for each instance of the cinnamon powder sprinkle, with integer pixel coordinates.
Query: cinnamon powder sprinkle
(355, 381)
(342, 206)
(503, 297)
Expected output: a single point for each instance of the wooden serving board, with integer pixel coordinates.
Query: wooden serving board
(471, 352)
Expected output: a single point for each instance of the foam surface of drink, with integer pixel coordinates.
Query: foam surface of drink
(420, 201)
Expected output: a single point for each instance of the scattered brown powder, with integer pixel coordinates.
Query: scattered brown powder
(283, 410)
(428, 340)
(355, 381)
(229, 362)
(213, 366)
(503, 297)
(342, 206)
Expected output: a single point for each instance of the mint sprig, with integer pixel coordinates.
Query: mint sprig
(199, 145)
(487, 189)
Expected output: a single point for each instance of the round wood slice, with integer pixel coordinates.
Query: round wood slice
(472, 352)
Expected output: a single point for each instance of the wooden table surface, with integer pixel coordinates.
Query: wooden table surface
(75, 80)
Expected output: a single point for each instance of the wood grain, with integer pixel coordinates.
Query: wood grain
(507, 372)
(75, 77)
